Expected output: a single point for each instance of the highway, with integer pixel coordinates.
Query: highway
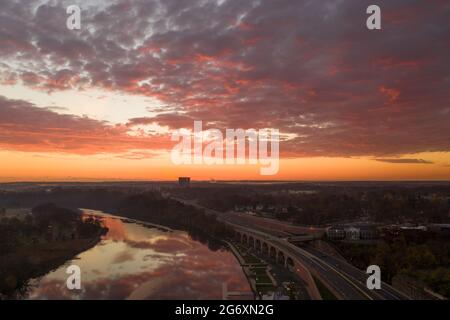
(386, 291)
(341, 284)
(346, 280)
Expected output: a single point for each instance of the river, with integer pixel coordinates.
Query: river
(142, 261)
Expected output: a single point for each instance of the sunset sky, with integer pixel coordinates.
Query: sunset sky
(101, 103)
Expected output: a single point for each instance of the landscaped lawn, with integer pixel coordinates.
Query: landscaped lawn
(249, 258)
(259, 270)
(263, 279)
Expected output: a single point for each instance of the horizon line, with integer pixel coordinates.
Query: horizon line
(87, 180)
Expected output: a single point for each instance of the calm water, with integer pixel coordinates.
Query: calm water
(134, 261)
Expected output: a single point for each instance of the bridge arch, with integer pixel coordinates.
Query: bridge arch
(273, 253)
(258, 245)
(244, 239)
(265, 249)
(251, 241)
(290, 264)
(280, 258)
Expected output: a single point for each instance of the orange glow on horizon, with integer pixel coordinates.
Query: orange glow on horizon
(23, 166)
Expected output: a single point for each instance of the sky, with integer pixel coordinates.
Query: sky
(102, 102)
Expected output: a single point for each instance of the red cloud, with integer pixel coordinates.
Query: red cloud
(309, 69)
(26, 127)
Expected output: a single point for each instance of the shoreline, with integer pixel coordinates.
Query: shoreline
(40, 260)
(122, 218)
(227, 245)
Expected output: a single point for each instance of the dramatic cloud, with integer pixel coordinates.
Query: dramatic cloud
(29, 128)
(420, 161)
(308, 68)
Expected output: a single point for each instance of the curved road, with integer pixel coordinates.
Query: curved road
(344, 278)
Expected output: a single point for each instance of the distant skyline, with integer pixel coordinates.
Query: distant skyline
(101, 103)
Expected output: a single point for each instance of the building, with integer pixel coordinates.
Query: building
(352, 232)
(368, 233)
(184, 181)
(409, 232)
(336, 233)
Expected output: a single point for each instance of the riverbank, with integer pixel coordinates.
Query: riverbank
(97, 213)
(33, 261)
(138, 261)
(41, 241)
(212, 232)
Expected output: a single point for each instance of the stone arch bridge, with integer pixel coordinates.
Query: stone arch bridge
(277, 253)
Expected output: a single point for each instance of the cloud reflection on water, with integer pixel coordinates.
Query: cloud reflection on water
(137, 262)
